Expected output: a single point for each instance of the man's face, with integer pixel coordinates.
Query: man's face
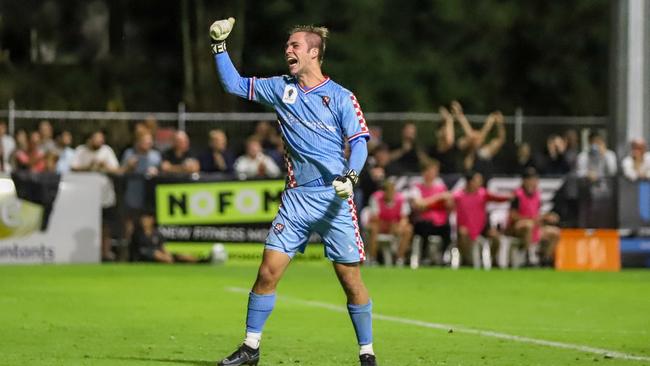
(475, 183)
(181, 142)
(145, 142)
(218, 141)
(409, 131)
(298, 55)
(65, 138)
(96, 140)
(430, 173)
(530, 184)
(382, 157)
(253, 149)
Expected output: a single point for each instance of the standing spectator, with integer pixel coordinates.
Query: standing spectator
(271, 141)
(431, 202)
(572, 148)
(389, 214)
(535, 230)
(7, 147)
(376, 172)
(552, 161)
(33, 158)
(96, 156)
(179, 159)
(471, 214)
(60, 158)
(22, 144)
(47, 144)
(142, 162)
(598, 162)
(218, 157)
(162, 136)
(637, 164)
(445, 150)
(478, 154)
(524, 158)
(408, 155)
(254, 163)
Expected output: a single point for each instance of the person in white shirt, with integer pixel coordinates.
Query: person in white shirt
(7, 147)
(255, 164)
(95, 156)
(637, 164)
(598, 161)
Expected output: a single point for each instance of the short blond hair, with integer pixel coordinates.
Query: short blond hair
(317, 37)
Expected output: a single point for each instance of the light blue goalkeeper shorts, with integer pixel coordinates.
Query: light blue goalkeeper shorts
(305, 210)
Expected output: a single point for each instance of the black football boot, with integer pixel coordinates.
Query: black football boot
(244, 355)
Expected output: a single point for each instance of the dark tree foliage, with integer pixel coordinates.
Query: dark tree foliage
(548, 57)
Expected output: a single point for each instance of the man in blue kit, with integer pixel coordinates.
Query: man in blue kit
(317, 116)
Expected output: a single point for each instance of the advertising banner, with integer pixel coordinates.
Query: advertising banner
(588, 250)
(634, 205)
(239, 211)
(71, 232)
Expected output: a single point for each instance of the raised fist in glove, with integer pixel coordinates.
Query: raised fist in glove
(344, 184)
(219, 31)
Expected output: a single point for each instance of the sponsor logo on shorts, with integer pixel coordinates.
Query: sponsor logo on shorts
(278, 227)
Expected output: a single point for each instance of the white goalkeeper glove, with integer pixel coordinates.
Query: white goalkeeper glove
(344, 184)
(219, 31)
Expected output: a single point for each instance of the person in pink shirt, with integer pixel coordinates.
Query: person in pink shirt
(389, 214)
(471, 214)
(33, 158)
(431, 202)
(528, 223)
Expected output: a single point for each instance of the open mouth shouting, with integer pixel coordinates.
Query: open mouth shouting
(292, 62)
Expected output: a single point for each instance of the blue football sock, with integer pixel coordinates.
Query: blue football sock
(361, 316)
(259, 309)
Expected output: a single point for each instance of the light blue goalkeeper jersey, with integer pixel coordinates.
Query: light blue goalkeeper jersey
(315, 122)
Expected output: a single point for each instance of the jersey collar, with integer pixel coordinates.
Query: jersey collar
(309, 90)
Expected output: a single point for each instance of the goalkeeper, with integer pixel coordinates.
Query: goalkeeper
(317, 117)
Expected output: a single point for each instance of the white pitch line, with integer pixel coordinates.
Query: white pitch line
(461, 329)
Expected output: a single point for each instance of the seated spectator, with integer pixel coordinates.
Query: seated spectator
(178, 159)
(96, 156)
(431, 202)
(7, 147)
(471, 214)
(535, 230)
(552, 161)
(60, 158)
(45, 130)
(33, 158)
(254, 163)
(477, 152)
(217, 158)
(445, 151)
(637, 164)
(148, 244)
(598, 162)
(407, 156)
(389, 214)
(375, 173)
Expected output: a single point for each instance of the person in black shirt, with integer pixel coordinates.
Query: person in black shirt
(218, 157)
(408, 156)
(148, 244)
(178, 159)
(445, 151)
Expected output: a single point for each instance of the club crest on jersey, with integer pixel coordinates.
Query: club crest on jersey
(290, 94)
(326, 101)
(278, 227)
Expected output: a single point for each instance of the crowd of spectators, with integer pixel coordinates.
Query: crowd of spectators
(456, 148)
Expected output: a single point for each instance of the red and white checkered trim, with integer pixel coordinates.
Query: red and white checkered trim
(291, 177)
(251, 88)
(357, 234)
(360, 117)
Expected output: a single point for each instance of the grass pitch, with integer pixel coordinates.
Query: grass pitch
(189, 315)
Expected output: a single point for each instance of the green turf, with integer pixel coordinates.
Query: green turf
(184, 315)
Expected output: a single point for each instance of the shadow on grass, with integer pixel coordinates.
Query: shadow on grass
(164, 360)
